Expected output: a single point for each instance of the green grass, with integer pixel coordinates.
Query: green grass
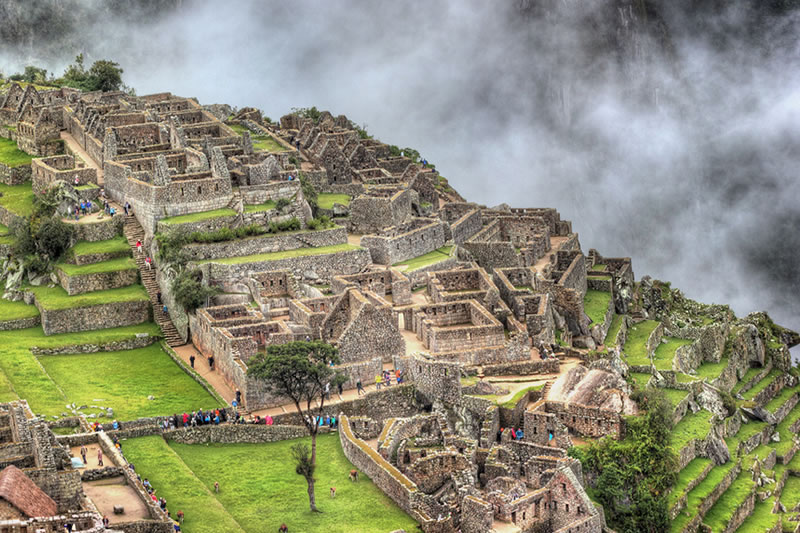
(326, 200)
(721, 513)
(197, 217)
(257, 208)
(124, 379)
(782, 447)
(791, 492)
(689, 473)
(55, 298)
(636, 344)
(259, 489)
(613, 329)
(595, 304)
(684, 378)
(274, 256)
(675, 396)
(112, 265)
(430, 258)
(780, 398)
(12, 156)
(117, 245)
(4, 229)
(641, 378)
(598, 267)
(13, 310)
(692, 426)
(665, 352)
(750, 374)
(510, 404)
(763, 384)
(712, 371)
(260, 142)
(698, 494)
(86, 187)
(22, 376)
(17, 198)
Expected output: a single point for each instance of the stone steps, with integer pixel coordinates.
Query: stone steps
(133, 231)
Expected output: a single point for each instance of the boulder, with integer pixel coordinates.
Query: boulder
(710, 400)
(759, 413)
(119, 509)
(717, 450)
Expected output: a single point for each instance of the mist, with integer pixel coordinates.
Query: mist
(667, 131)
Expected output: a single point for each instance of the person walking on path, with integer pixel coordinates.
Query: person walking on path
(138, 246)
(378, 382)
(360, 387)
(99, 457)
(191, 360)
(83, 454)
(149, 263)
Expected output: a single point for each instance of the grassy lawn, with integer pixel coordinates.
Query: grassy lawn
(599, 267)
(595, 304)
(689, 473)
(636, 344)
(780, 398)
(782, 447)
(23, 376)
(720, 514)
(692, 426)
(675, 395)
(117, 245)
(112, 265)
(124, 379)
(712, 371)
(641, 378)
(260, 142)
(56, 298)
(510, 404)
(256, 208)
(251, 475)
(13, 310)
(197, 217)
(761, 385)
(17, 198)
(4, 229)
(791, 492)
(274, 256)
(750, 374)
(12, 156)
(326, 200)
(613, 329)
(698, 494)
(665, 352)
(428, 259)
(684, 378)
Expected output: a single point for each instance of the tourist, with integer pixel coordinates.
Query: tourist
(238, 396)
(185, 419)
(99, 457)
(191, 359)
(398, 377)
(341, 388)
(147, 484)
(211, 362)
(176, 526)
(138, 246)
(158, 297)
(360, 388)
(216, 486)
(520, 434)
(328, 391)
(106, 522)
(164, 309)
(112, 211)
(283, 528)
(327, 420)
(513, 434)
(148, 262)
(270, 421)
(180, 516)
(333, 422)
(378, 382)
(499, 434)
(115, 425)
(83, 454)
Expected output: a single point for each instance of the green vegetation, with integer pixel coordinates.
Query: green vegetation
(17, 198)
(595, 304)
(260, 142)
(698, 494)
(665, 352)
(641, 378)
(198, 217)
(748, 376)
(684, 378)
(785, 444)
(613, 329)
(511, 403)
(274, 256)
(185, 476)
(780, 399)
(692, 426)
(257, 208)
(117, 245)
(189, 291)
(326, 200)
(54, 298)
(14, 310)
(790, 496)
(636, 344)
(762, 518)
(11, 156)
(125, 379)
(690, 472)
(430, 258)
(763, 384)
(720, 514)
(675, 396)
(112, 265)
(711, 371)
(598, 267)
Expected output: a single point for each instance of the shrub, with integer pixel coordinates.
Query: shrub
(309, 193)
(188, 290)
(54, 237)
(313, 224)
(282, 203)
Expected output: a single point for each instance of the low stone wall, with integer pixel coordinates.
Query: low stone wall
(102, 230)
(681, 503)
(419, 277)
(266, 244)
(210, 224)
(787, 406)
(20, 323)
(99, 281)
(712, 498)
(111, 315)
(90, 259)
(235, 433)
(597, 283)
(758, 377)
(141, 340)
(325, 265)
(741, 513)
(7, 218)
(523, 368)
(686, 454)
(14, 175)
(95, 474)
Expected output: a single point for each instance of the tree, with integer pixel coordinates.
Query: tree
(105, 75)
(189, 291)
(305, 466)
(300, 371)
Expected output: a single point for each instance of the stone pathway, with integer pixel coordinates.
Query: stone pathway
(83, 154)
(214, 377)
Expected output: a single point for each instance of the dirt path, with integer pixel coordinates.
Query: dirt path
(83, 154)
(214, 377)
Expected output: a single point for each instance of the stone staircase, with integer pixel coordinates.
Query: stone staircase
(133, 231)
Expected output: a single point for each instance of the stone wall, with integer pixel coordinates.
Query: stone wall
(235, 433)
(466, 226)
(14, 175)
(99, 281)
(103, 230)
(110, 315)
(266, 244)
(20, 323)
(141, 340)
(403, 242)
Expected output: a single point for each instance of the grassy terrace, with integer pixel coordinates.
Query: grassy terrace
(260, 142)
(692, 426)
(675, 395)
(613, 329)
(17, 198)
(13, 310)
(197, 217)
(698, 494)
(720, 514)
(113, 265)
(55, 298)
(598, 267)
(712, 371)
(690, 472)
(636, 344)
(761, 385)
(274, 256)
(665, 352)
(257, 208)
(595, 304)
(185, 475)
(641, 378)
(782, 447)
(780, 398)
(750, 374)
(23, 376)
(326, 200)
(684, 378)
(117, 245)
(430, 258)
(12, 156)
(791, 492)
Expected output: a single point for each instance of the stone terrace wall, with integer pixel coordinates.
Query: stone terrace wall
(417, 241)
(266, 244)
(99, 281)
(466, 226)
(20, 323)
(14, 175)
(235, 433)
(141, 340)
(110, 315)
(103, 230)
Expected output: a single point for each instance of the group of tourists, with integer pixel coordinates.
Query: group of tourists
(516, 433)
(385, 378)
